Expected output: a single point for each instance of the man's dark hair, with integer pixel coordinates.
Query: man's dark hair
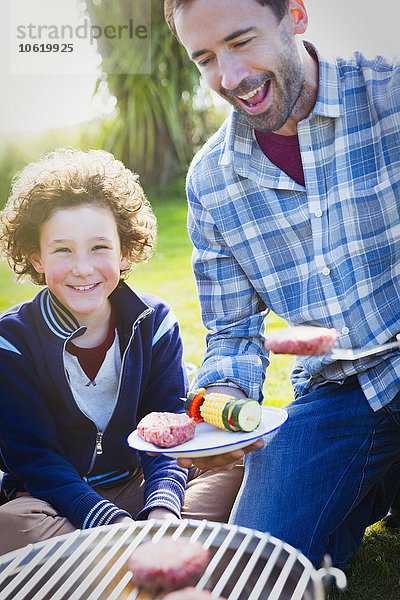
(171, 6)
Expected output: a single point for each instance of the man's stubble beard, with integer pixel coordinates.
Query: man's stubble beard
(288, 90)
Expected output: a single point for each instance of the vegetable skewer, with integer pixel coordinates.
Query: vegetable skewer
(223, 411)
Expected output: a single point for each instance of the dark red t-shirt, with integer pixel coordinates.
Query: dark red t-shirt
(91, 359)
(283, 151)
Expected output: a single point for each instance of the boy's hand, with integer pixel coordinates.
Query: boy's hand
(220, 462)
(162, 513)
(123, 519)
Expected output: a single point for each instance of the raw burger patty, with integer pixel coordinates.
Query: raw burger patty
(190, 593)
(168, 564)
(302, 339)
(166, 429)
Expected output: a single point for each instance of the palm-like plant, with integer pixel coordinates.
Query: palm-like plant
(156, 123)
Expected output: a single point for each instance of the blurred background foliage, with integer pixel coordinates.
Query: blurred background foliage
(159, 121)
(157, 125)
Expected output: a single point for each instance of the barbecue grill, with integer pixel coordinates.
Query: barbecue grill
(92, 565)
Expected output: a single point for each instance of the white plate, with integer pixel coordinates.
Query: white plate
(210, 440)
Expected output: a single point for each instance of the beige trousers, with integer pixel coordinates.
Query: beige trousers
(209, 495)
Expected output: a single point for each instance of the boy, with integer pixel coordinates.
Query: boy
(87, 358)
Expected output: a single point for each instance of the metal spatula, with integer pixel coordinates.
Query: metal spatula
(355, 353)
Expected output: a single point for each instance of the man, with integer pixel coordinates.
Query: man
(294, 207)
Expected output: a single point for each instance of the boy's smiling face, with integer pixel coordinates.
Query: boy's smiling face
(81, 257)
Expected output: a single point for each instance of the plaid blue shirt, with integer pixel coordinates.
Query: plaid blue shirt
(329, 252)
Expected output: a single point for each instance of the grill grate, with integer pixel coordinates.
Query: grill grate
(92, 564)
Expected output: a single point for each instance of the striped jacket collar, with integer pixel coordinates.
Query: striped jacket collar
(57, 318)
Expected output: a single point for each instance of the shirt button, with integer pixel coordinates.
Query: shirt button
(326, 271)
(345, 330)
(318, 213)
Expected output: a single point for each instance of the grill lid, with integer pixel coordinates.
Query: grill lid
(92, 565)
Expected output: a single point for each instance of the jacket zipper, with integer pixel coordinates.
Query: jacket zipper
(99, 440)
(140, 318)
(98, 448)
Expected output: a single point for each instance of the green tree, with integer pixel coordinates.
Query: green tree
(156, 127)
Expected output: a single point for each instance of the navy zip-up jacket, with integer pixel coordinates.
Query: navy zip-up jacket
(48, 445)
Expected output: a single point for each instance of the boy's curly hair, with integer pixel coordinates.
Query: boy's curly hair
(69, 177)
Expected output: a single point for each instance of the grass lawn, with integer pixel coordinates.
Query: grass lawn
(374, 572)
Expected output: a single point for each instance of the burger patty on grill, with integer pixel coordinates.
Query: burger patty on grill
(168, 564)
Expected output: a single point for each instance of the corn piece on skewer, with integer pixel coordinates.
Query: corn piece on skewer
(212, 407)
